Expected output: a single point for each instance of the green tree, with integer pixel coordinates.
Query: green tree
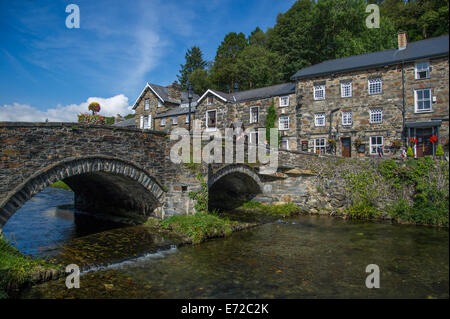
(225, 73)
(257, 67)
(200, 80)
(194, 61)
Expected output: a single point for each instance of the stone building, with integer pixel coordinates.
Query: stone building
(248, 109)
(353, 106)
(162, 108)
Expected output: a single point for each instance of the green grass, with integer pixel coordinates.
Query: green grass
(61, 184)
(17, 269)
(283, 210)
(197, 227)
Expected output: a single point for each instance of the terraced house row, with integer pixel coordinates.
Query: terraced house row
(349, 107)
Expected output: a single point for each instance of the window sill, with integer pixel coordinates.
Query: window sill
(375, 93)
(420, 112)
(211, 129)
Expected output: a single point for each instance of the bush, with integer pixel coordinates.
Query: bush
(439, 150)
(409, 152)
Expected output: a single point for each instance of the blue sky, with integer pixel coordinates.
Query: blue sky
(50, 71)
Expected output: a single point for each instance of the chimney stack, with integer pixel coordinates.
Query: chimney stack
(402, 40)
(174, 92)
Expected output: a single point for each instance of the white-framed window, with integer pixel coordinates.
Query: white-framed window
(423, 100)
(209, 100)
(283, 123)
(320, 145)
(159, 103)
(284, 144)
(254, 114)
(319, 119)
(375, 86)
(147, 104)
(187, 118)
(376, 116)
(175, 120)
(375, 143)
(141, 122)
(284, 101)
(163, 121)
(346, 89)
(211, 119)
(147, 122)
(319, 92)
(422, 70)
(346, 118)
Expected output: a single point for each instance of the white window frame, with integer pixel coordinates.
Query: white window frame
(282, 104)
(375, 145)
(373, 114)
(147, 104)
(344, 86)
(324, 146)
(149, 121)
(416, 101)
(187, 119)
(207, 120)
(419, 68)
(175, 120)
(208, 102)
(317, 116)
(251, 114)
(318, 88)
(159, 103)
(163, 121)
(346, 119)
(141, 122)
(287, 144)
(373, 83)
(283, 123)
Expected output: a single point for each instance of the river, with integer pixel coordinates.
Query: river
(302, 257)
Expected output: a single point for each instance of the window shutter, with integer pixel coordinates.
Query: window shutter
(141, 125)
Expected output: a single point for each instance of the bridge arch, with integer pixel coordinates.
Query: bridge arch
(99, 182)
(233, 185)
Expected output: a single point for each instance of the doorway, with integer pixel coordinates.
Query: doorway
(346, 147)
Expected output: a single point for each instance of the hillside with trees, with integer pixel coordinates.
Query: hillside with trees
(308, 33)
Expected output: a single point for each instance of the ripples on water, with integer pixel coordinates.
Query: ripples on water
(304, 257)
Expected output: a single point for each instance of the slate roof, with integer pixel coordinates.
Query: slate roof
(175, 111)
(126, 123)
(163, 92)
(433, 47)
(261, 93)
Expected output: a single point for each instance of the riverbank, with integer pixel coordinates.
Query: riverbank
(18, 271)
(62, 185)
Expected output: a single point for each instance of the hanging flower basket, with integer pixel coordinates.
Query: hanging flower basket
(94, 107)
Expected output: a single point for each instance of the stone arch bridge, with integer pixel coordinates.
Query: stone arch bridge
(118, 169)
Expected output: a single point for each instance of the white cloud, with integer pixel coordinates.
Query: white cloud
(26, 113)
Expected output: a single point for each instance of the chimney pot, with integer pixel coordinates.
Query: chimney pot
(402, 40)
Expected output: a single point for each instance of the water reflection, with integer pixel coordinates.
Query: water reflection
(47, 221)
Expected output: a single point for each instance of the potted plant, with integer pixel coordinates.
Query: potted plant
(395, 146)
(360, 147)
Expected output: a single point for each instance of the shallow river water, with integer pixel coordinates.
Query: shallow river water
(303, 257)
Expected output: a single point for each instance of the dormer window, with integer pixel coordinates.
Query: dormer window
(284, 101)
(147, 104)
(422, 70)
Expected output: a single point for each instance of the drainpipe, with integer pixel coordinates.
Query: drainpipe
(403, 104)
(331, 122)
